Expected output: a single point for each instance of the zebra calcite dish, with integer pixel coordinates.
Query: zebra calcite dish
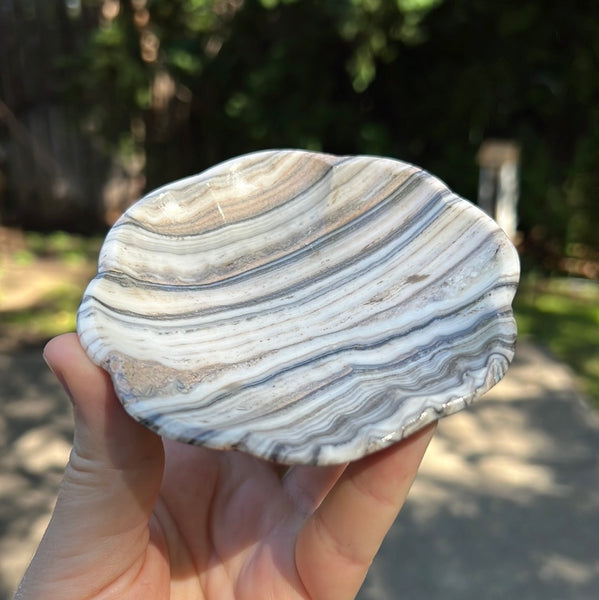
(302, 307)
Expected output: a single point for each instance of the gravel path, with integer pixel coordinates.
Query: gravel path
(506, 504)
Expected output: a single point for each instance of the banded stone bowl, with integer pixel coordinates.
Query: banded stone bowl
(303, 307)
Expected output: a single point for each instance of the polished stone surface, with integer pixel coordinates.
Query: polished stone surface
(303, 307)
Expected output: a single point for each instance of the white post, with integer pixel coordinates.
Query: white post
(498, 185)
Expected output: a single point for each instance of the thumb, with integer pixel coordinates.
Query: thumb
(111, 481)
(106, 437)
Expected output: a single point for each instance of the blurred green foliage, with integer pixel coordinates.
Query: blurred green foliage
(564, 315)
(67, 247)
(53, 315)
(187, 83)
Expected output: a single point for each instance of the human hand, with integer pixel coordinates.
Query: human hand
(142, 517)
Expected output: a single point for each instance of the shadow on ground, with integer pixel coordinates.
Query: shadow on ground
(506, 504)
(35, 440)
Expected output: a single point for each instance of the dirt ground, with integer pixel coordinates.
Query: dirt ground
(26, 286)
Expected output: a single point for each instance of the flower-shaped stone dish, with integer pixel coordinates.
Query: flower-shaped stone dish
(302, 307)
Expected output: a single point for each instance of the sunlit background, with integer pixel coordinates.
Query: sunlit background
(103, 100)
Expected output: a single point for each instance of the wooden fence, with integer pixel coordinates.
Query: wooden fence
(51, 174)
